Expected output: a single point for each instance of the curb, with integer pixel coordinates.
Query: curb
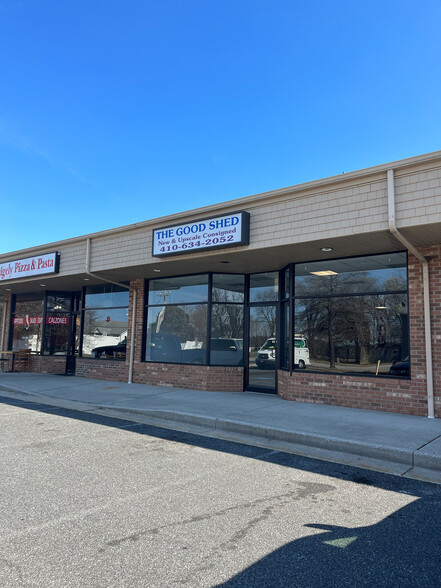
(408, 463)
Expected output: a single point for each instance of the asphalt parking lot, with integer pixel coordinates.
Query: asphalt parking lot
(93, 501)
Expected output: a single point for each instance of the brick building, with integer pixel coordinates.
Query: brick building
(326, 292)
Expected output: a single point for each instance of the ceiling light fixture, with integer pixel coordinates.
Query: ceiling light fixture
(325, 273)
(381, 307)
(157, 270)
(326, 249)
(43, 285)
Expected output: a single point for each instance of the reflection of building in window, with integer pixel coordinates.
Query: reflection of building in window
(177, 319)
(105, 321)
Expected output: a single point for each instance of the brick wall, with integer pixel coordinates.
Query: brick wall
(195, 377)
(377, 393)
(48, 364)
(102, 369)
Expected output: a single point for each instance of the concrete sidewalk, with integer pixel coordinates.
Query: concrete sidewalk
(403, 445)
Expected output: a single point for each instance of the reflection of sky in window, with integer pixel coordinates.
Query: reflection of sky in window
(368, 263)
(228, 288)
(368, 281)
(107, 299)
(117, 316)
(264, 287)
(369, 274)
(179, 290)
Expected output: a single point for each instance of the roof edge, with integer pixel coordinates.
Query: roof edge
(236, 202)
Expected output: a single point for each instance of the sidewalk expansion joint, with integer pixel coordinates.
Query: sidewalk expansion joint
(427, 443)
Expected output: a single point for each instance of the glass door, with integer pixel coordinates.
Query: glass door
(262, 332)
(74, 335)
(263, 348)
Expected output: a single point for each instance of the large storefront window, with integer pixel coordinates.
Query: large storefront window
(105, 322)
(27, 322)
(181, 312)
(227, 316)
(352, 314)
(57, 324)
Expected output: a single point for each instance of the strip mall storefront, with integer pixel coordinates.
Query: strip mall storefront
(326, 292)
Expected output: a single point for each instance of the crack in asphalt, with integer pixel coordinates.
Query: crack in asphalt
(306, 490)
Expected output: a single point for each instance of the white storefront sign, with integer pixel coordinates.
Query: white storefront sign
(222, 231)
(31, 266)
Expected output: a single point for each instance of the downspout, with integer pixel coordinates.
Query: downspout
(133, 290)
(3, 324)
(426, 290)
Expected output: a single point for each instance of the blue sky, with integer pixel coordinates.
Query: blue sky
(116, 112)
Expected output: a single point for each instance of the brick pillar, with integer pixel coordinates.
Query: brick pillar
(138, 285)
(6, 320)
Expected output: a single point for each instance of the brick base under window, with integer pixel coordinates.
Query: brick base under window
(48, 364)
(402, 396)
(194, 377)
(102, 369)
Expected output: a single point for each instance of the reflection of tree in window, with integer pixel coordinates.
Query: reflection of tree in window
(227, 320)
(28, 335)
(341, 324)
(90, 319)
(176, 321)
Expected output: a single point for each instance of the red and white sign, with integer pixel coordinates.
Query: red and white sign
(27, 321)
(31, 266)
(57, 320)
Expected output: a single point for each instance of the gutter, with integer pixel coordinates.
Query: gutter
(5, 307)
(133, 290)
(426, 289)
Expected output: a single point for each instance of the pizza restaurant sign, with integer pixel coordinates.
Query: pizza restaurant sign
(212, 233)
(31, 266)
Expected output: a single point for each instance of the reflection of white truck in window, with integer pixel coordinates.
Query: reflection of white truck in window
(266, 356)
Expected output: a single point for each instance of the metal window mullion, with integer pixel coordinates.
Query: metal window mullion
(82, 311)
(291, 322)
(246, 333)
(209, 307)
(43, 325)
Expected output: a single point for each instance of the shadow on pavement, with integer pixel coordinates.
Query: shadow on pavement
(403, 550)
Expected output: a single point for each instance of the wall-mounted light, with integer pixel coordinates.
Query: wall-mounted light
(43, 285)
(381, 307)
(156, 270)
(326, 249)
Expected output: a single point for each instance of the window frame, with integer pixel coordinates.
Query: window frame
(208, 303)
(291, 366)
(83, 309)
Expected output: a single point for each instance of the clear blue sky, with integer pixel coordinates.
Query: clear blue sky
(114, 112)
